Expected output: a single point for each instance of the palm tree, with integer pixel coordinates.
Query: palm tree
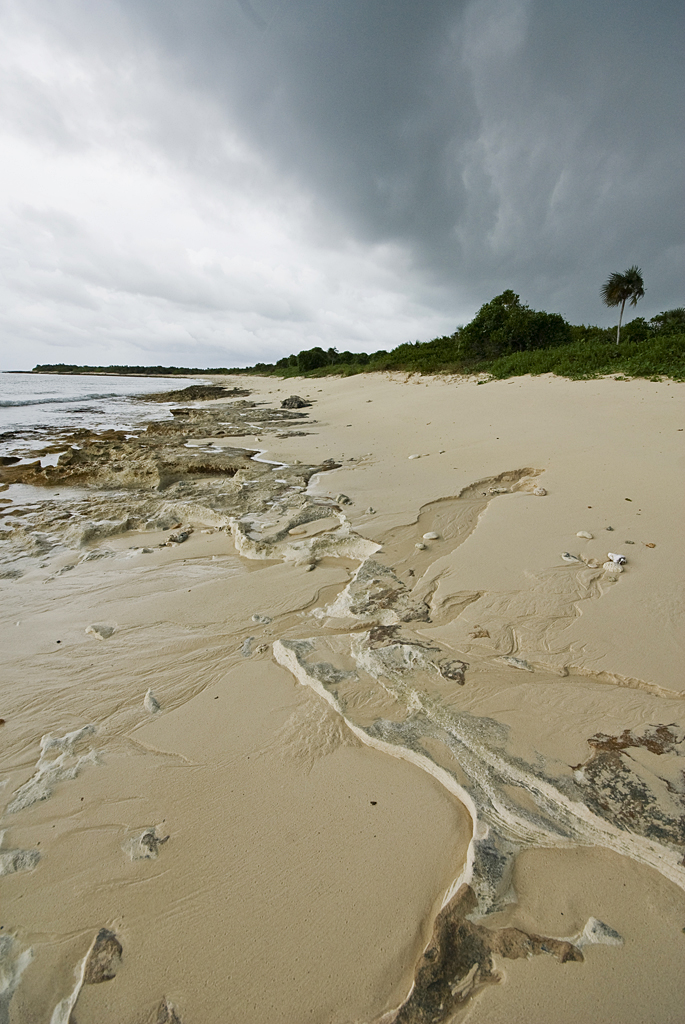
(621, 287)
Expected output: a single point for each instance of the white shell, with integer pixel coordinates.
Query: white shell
(414, 456)
(540, 491)
(420, 546)
(430, 536)
(619, 559)
(584, 534)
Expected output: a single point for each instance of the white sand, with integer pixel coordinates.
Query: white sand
(283, 892)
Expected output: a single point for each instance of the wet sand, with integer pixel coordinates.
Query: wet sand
(363, 749)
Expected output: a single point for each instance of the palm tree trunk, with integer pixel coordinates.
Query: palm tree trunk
(620, 317)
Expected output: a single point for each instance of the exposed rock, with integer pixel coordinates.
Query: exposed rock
(294, 402)
(165, 1013)
(520, 663)
(376, 594)
(61, 758)
(246, 649)
(13, 861)
(195, 392)
(100, 632)
(150, 703)
(616, 785)
(104, 958)
(458, 961)
(12, 965)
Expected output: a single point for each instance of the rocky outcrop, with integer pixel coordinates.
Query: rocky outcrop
(294, 402)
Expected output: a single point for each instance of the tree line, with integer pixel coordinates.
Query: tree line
(505, 338)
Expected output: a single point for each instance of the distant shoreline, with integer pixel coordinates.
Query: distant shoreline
(106, 373)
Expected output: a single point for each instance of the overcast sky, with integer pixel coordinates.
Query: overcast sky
(217, 182)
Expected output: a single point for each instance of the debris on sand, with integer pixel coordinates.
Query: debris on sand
(294, 402)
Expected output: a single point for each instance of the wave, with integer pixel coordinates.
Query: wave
(59, 401)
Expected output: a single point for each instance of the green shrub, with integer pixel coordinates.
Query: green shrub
(505, 325)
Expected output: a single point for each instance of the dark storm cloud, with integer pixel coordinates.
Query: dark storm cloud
(438, 151)
(361, 100)
(523, 143)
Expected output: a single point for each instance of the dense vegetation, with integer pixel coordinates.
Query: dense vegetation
(505, 339)
(121, 371)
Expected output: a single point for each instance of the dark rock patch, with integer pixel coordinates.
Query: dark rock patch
(458, 961)
(196, 393)
(104, 958)
(294, 402)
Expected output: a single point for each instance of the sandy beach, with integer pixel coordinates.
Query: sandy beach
(345, 714)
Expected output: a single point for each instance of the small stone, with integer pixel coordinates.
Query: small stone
(165, 1014)
(342, 499)
(430, 535)
(264, 619)
(100, 632)
(414, 456)
(650, 545)
(420, 546)
(568, 557)
(150, 703)
(310, 567)
(584, 534)
(540, 491)
(370, 511)
(610, 529)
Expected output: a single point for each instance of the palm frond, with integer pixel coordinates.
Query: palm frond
(620, 288)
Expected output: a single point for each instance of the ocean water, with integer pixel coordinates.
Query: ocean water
(34, 406)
